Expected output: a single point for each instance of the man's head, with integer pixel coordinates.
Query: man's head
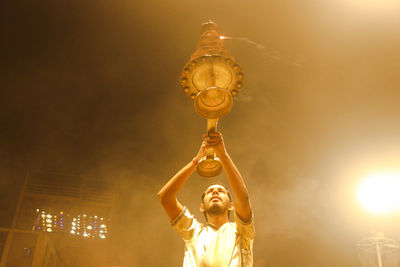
(216, 200)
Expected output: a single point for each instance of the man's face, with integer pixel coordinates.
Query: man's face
(216, 200)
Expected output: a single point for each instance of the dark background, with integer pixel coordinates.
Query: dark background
(91, 88)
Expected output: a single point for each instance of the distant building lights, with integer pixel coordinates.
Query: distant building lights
(85, 225)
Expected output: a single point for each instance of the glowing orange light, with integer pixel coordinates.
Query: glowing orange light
(379, 193)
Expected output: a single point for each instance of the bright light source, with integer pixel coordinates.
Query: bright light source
(380, 193)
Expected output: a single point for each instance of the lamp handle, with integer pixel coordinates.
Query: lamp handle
(209, 165)
(211, 128)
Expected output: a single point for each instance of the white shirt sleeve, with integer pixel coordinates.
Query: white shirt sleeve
(245, 231)
(185, 224)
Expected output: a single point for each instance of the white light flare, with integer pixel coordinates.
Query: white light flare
(379, 193)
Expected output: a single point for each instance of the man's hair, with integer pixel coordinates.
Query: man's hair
(221, 184)
(227, 191)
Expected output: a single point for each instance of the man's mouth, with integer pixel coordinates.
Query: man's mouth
(215, 198)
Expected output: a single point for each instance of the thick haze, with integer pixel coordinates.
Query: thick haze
(91, 88)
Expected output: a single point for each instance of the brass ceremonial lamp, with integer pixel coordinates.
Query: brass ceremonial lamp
(211, 78)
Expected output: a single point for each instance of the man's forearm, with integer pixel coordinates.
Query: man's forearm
(242, 201)
(168, 193)
(171, 188)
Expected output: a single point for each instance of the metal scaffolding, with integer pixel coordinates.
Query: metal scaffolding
(379, 251)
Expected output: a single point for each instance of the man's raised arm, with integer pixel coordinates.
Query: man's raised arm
(242, 200)
(168, 193)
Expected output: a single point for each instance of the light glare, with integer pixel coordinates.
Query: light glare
(379, 193)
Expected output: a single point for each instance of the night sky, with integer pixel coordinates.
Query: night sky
(90, 88)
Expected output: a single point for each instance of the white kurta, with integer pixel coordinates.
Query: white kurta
(229, 246)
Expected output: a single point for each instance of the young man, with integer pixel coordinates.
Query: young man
(218, 243)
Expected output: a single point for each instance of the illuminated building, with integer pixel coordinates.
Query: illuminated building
(60, 220)
(89, 226)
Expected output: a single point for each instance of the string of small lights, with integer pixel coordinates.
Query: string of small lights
(83, 225)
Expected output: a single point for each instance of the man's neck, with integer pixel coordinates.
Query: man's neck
(217, 221)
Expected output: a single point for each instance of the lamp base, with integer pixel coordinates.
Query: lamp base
(209, 167)
(213, 102)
